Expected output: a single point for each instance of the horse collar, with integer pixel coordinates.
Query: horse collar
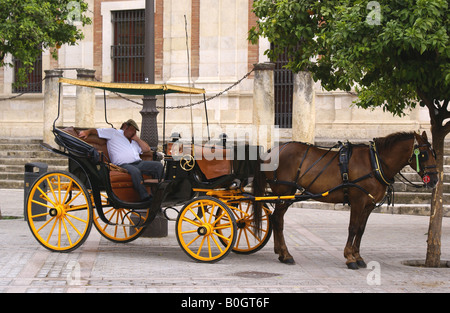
(376, 165)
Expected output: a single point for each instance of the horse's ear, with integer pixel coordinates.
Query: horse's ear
(424, 135)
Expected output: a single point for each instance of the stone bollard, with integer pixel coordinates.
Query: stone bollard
(303, 110)
(51, 95)
(264, 102)
(85, 103)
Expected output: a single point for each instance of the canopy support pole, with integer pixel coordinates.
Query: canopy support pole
(149, 129)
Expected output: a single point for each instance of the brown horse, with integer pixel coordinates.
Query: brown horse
(362, 182)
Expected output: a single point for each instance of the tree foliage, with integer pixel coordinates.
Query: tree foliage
(27, 27)
(393, 52)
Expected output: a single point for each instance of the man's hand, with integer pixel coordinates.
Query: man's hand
(135, 137)
(84, 134)
(144, 146)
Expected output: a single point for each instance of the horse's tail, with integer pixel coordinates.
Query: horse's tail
(258, 189)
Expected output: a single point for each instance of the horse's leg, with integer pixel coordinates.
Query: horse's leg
(356, 244)
(280, 247)
(352, 230)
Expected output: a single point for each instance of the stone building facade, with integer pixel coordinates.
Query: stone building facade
(220, 55)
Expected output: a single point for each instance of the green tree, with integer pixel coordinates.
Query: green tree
(394, 53)
(27, 27)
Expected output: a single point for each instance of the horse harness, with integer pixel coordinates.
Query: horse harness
(423, 156)
(344, 154)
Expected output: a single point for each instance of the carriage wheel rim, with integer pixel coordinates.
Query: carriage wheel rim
(67, 223)
(198, 233)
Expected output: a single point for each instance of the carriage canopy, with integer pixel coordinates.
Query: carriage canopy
(134, 89)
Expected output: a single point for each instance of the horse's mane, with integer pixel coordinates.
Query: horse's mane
(386, 143)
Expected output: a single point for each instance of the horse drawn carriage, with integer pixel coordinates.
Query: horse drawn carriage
(62, 206)
(219, 211)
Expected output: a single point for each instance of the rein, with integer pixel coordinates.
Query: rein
(376, 165)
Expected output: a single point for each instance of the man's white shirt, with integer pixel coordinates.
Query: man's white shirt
(120, 149)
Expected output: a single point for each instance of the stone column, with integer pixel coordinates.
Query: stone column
(85, 102)
(51, 94)
(304, 109)
(264, 103)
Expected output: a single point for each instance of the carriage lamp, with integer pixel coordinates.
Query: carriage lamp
(223, 137)
(175, 137)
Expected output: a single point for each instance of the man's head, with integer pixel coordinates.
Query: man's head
(129, 128)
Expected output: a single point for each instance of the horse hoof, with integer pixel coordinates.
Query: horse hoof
(361, 264)
(352, 266)
(289, 261)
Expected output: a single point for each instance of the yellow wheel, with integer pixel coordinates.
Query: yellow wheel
(248, 240)
(206, 229)
(126, 223)
(59, 211)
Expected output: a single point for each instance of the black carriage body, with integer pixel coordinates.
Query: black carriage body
(182, 185)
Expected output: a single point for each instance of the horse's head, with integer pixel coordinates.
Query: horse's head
(423, 160)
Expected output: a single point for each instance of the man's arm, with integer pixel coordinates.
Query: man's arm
(86, 133)
(144, 146)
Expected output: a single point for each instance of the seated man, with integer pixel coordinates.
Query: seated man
(124, 149)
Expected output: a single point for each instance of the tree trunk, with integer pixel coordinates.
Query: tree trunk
(433, 258)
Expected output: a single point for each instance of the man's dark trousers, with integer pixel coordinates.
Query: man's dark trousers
(139, 168)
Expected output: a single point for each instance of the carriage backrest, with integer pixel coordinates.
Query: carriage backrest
(214, 162)
(98, 143)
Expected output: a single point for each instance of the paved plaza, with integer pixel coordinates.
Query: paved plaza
(316, 239)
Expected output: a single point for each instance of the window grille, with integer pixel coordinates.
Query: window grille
(34, 79)
(284, 92)
(128, 50)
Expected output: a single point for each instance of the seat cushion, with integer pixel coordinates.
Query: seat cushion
(122, 186)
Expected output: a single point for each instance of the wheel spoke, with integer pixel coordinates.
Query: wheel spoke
(192, 222)
(51, 231)
(71, 224)
(45, 196)
(121, 225)
(67, 232)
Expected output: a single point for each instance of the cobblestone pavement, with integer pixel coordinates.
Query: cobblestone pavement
(315, 238)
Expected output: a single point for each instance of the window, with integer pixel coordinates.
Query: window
(284, 92)
(34, 81)
(128, 50)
